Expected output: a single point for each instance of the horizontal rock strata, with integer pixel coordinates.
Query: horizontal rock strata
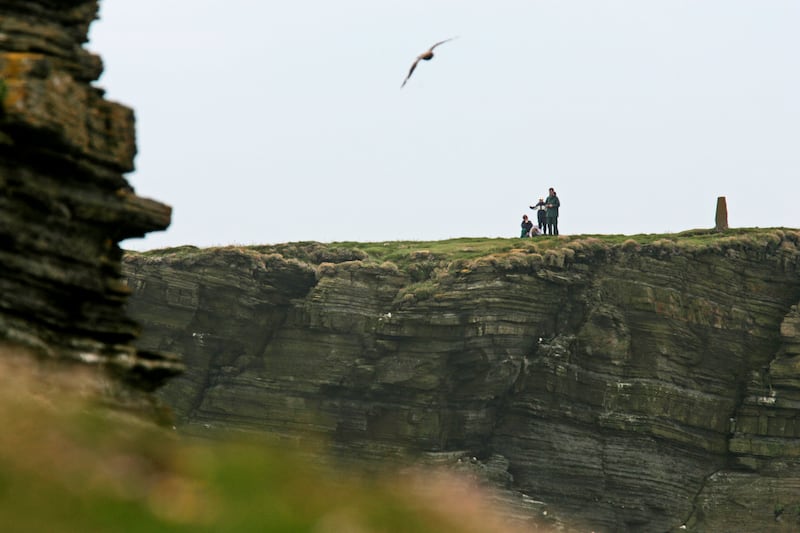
(630, 387)
(64, 202)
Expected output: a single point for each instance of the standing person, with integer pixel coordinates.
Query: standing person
(541, 216)
(526, 227)
(552, 203)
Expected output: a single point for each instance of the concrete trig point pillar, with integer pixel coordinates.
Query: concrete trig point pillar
(721, 218)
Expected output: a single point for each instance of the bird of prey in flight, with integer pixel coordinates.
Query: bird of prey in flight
(427, 56)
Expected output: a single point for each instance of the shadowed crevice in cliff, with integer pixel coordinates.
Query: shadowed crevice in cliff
(397, 350)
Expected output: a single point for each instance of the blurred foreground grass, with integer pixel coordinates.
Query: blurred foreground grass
(67, 465)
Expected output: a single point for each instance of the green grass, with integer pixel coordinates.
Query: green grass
(425, 259)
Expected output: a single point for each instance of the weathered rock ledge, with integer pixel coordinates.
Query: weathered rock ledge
(64, 203)
(636, 386)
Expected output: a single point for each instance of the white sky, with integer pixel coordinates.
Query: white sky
(266, 122)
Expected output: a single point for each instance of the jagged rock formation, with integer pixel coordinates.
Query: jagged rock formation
(64, 203)
(642, 386)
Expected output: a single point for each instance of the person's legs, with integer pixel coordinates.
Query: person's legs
(555, 226)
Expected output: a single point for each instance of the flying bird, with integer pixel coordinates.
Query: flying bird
(427, 56)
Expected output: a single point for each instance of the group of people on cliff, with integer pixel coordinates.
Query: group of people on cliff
(546, 217)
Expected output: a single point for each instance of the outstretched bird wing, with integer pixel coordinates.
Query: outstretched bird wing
(425, 55)
(411, 71)
(440, 42)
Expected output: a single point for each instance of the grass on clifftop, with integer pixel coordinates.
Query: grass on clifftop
(404, 254)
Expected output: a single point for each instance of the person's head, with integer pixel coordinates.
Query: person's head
(552, 191)
(524, 217)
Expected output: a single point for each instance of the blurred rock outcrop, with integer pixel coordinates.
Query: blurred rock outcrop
(64, 202)
(620, 387)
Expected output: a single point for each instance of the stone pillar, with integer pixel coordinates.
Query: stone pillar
(721, 218)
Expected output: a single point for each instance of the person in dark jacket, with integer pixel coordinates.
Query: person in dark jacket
(526, 226)
(552, 203)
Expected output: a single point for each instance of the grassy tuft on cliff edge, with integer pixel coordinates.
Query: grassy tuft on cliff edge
(454, 255)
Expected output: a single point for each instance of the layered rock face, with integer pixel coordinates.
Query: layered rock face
(632, 387)
(64, 203)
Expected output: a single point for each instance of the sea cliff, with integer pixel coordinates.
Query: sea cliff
(641, 383)
(607, 383)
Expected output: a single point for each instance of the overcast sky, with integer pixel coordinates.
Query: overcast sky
(268, 122)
